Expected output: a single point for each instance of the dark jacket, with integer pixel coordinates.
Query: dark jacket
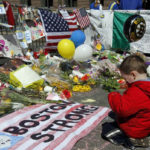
(130, 4)
(113, 6)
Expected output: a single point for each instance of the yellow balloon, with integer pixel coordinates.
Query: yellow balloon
(66, 48)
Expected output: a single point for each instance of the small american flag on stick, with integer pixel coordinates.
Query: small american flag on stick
(82, 17)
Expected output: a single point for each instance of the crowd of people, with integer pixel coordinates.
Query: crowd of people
(122, 4)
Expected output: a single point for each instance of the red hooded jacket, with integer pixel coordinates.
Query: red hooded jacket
(133, 109)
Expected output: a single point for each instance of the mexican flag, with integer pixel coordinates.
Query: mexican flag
(110, 29)
(119, 40)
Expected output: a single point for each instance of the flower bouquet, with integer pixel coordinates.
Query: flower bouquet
(110, 79)
(82, 84)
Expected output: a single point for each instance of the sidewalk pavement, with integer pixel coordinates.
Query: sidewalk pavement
(94, 141)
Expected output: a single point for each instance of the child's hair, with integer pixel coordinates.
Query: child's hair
(133, 63)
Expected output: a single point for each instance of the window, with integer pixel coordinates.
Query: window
(47, 3)
(71, 3)
(26, 2)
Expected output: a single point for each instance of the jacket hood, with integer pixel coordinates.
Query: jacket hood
(143, 85)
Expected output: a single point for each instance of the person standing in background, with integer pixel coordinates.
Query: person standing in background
(130, 4)
(96, 5)
(114, 5)
(146, 4)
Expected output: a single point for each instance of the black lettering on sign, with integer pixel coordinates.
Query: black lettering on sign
(58, 107)
(37, 116)
(86, 110)
(16, 130)
(93, 108)
(81, 111)
(39, 136)
(63, 123)
(67, 103)
(29, 123)
(73, 116)
(47, 111)
(53, 129)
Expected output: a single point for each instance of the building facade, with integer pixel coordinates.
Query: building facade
(52, 3)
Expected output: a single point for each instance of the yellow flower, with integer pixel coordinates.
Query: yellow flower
(81, 88)
(40, 88)
(86, 88)
(98, 46)
(76, 88)
(75, 79)
(91, 82)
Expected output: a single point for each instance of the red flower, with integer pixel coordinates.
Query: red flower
(67, 93)
(123, 84)
(2, 86)
(85, 78)
(104, 57)
(45, 53)
(36, 55)
(121, 81)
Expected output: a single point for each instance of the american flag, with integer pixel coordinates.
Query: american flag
(50, 126)
(82, 17)
(56, 28)
(71, 20)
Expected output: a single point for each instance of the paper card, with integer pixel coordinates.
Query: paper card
(28, 36)
(7, 140)
(2, 9)
(77, 73)
(41, 33)
(26, 27)
(37, 35)
(26, 76)
(10, 43)
(24, 44)
(53, 96)
(19, 34)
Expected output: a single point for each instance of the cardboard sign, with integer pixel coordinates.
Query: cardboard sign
(9, 44)
(2, 9)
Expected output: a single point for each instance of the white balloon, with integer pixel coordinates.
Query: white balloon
(83, 53)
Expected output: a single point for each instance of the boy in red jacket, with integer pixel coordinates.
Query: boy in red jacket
(132, 109)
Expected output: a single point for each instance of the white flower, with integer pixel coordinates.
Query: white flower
(71, 76)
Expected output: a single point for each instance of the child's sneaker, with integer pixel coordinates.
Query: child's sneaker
(145, 142)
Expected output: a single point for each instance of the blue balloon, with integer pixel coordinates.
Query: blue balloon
(78, 37)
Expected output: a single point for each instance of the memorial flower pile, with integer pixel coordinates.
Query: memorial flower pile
(82, 84)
